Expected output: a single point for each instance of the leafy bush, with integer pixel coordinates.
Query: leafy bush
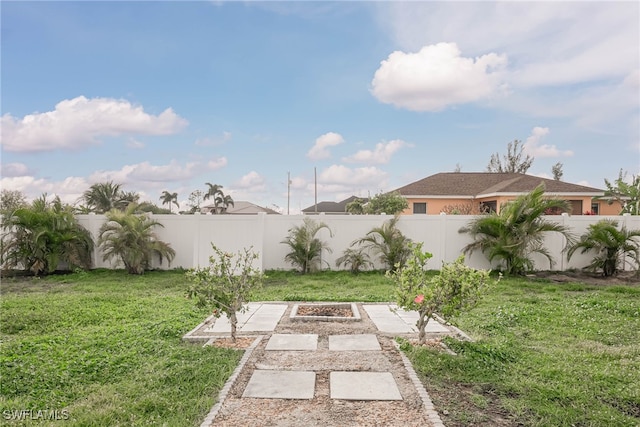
(226, 285)
(39, 238)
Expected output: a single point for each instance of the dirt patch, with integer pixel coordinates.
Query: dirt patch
(588, 278)
(324, 310)
(241, 343)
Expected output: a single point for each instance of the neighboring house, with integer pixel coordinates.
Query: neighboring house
(334, 208)
(477, 192)
(241, 208)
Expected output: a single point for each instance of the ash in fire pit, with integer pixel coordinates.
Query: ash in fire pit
(325, 312)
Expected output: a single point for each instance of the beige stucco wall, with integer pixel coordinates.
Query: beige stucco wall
(435, 206)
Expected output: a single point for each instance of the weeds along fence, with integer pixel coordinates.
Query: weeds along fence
(191, 237)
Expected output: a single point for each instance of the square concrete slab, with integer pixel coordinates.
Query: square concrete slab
(357, 342)
(363, 386)
(281, 385)
(292, 342)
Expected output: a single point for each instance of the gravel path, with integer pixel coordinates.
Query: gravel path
(235, 410)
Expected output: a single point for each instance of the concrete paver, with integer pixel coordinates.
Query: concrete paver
(281, 385)
(363, 386)
(258, 317)
(292, 342)
(355, 342)
(389, 318)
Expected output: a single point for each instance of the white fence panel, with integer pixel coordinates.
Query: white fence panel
(191, 237)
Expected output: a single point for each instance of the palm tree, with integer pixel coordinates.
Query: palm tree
(213, 191)
(223, 201)
(126, 198)
(389, 243)
(306, 248)
(611, 246)
(129, 237)
(169, 199)
(103, 196)
(517, 231)
(355, 258)
(41, 237)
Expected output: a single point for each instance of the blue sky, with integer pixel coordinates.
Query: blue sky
(374, 95)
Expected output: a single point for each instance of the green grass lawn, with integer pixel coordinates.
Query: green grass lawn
(106, 346)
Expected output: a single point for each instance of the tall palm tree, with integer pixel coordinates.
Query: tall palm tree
(518, 231)
(169, 199)
(306, 248)
(103, 196)
(129, 237)
(389, 243)
(611, 246)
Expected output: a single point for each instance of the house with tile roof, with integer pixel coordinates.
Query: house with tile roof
(476, 192)
(332, 208)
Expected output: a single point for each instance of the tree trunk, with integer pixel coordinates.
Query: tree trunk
(423, 319)
(234, 322)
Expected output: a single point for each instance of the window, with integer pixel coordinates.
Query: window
(595, 208)
(487, 207)
(419, 208)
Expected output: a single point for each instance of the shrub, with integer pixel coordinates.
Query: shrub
(612, 247)
(389, 243)
(357, 259)
(456, 288)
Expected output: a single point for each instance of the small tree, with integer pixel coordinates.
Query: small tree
(389, 203)
(556, 170)
(226, 284)
(357, 259)
(611, 246)
(513, 161)
(625, 191)
(306, 248)
(455, 289)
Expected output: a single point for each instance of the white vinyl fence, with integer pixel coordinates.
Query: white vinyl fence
(191, 237)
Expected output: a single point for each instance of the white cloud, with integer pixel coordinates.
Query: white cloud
(341, 175)
(380, 155)
(320, 148)
(69, 189)
(533, 147)
(566, 59)
(436, 77)
(252, 181)
(214, 140)
(76, 123)
(217, 163)
(147, 173)
(135, 144)
(14, 169)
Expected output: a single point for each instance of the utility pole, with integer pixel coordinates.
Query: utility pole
(315, 184)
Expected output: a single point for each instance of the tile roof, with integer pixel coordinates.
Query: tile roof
(483, 183)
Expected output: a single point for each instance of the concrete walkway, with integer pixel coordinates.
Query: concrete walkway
(314, 374)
